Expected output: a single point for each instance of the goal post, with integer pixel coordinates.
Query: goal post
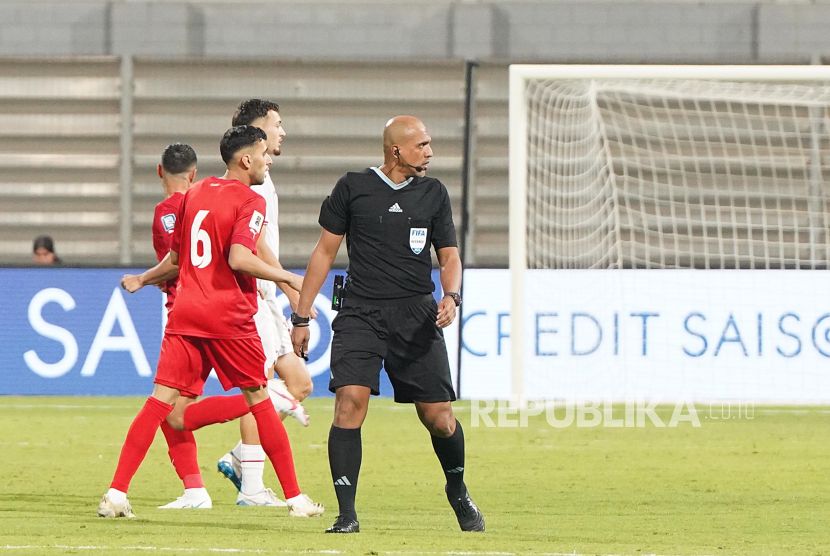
(625, 166)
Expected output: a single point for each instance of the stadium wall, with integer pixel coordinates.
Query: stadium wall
(635, 32)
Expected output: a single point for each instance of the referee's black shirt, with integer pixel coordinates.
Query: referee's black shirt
(388, 231)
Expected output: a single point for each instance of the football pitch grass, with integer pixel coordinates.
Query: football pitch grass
(730, 487)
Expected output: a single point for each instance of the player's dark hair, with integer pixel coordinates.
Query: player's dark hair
(238, 138)
(251, 110)
(178, 158)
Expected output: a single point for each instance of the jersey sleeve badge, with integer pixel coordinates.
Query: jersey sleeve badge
(256, 222)
(168, 221)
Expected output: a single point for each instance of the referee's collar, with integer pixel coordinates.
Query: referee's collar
(389, 182)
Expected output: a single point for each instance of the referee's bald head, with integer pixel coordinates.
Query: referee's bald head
(399, 129)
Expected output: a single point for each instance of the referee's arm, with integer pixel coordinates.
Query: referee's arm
(315, 275)
(449, 264)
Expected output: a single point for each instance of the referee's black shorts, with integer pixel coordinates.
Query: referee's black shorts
(402, 336)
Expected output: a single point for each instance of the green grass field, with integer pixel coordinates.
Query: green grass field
(741, 486)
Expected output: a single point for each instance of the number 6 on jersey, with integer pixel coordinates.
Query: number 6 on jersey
(197, 236)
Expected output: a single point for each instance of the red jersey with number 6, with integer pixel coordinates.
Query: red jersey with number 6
(215, 301)
(164, 224)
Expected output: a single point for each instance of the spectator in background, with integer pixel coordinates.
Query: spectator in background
(43, 251)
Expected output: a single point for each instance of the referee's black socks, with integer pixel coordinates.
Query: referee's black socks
(345, 456)
(450, 452)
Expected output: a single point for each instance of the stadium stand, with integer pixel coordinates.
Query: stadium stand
(60, 128)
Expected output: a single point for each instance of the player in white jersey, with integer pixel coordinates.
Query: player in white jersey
(245, 463)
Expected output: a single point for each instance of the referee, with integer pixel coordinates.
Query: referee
(390, 215)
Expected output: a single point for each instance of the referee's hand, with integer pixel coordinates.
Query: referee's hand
(299, 339)
(446, 312)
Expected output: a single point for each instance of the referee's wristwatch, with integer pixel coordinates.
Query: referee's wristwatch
(455, 297)
(297, 320)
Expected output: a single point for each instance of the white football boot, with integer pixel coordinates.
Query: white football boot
(107, 509)
(265, 497)
(284, 402)
(193, 499)
(303, 506)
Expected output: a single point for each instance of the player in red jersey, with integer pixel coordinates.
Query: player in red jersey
(177, 172)
(211, 324)
(244, 464)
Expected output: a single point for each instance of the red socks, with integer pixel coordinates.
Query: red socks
(216, 409)
(182, 452)
(138, 441)
(275, 442)
(182, 446)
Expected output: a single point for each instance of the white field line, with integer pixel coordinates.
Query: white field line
(255, 551)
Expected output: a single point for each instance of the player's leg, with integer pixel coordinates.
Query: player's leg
(419, 371)
(194, 415)
(289, 367)
(448, 442)
(345, 448)
(180, 364)
(241, 361)
(247, 464)
(358, 348)
(275, 443)
(209, 411)
(244, 464)
(292, 383)
(294, 373)
(183, 455)
(139, 438)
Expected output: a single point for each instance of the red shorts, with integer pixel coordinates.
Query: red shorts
(185, 363)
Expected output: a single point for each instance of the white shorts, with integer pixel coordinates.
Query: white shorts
(271, 325)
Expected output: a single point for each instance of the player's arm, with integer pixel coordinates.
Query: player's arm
(318, 269)
(243, 260)
(167, 269)
(264, 252)
(292, 295)
(449, 263)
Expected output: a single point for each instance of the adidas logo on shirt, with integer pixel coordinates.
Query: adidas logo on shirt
(395, 208)
(343, 481)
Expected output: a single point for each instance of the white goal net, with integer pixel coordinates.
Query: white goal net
(655, 167)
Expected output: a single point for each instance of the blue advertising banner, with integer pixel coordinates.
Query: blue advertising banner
(76, 332)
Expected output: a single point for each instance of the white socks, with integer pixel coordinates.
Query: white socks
(253, 465)
(237, 451)
(116, 496)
